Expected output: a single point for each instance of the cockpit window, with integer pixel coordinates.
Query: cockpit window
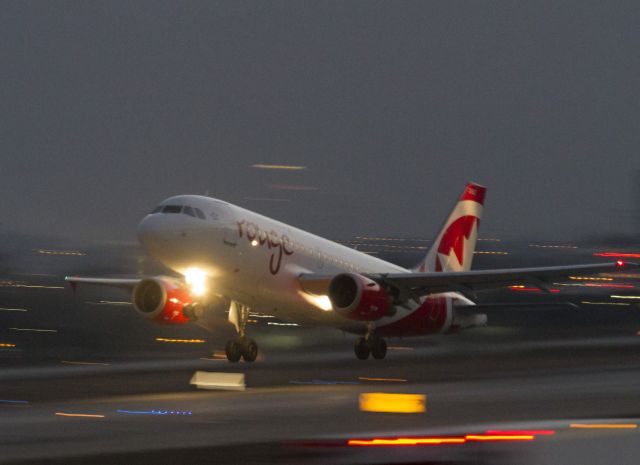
(199, 213)
(188, 211)
(157, 209)
(172, 209)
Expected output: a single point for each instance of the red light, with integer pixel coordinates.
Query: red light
(620, 263)
(536, 432)
(617, 254)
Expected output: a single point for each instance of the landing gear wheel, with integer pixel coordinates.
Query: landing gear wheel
(378, 348)
(361, 348)
(249, 350)
(233, 350)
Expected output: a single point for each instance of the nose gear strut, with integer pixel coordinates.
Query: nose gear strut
(241, 345)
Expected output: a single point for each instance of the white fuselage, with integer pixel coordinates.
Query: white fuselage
(256, 260)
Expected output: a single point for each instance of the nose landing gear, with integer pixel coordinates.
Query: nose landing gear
(241, 345)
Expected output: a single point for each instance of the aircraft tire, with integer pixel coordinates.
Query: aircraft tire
(233, 351)
(361, 348)
(249, 350)
(378, 348)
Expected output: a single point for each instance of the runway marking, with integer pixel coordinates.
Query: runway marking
(399, 348)
(68, 362)
(13, 309)
(394, 380)
(214, 359)
(604, 425)
(82, 415)
(625, 296)
(35, 329)
(17, 402)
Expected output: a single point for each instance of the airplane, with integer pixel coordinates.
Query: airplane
(262, 265)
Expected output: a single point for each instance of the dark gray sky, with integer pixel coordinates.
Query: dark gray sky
(109, 107)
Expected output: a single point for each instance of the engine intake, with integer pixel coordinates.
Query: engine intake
(163, 301)
(356, 297)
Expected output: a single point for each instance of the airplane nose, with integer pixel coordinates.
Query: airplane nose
(144, 231)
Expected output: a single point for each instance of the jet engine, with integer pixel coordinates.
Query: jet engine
(164, 301)
(356, 297)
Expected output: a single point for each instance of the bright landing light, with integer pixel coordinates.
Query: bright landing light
(196, 279)
(320, 301)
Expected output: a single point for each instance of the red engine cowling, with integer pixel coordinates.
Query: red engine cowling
(162, 300)
(358, 298)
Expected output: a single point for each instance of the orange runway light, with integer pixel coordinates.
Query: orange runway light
(603, 425)
(81, 415)
(405, 441)
(7, 344)
(392, 403)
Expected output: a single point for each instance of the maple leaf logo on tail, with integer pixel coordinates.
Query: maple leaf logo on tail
(453, 248)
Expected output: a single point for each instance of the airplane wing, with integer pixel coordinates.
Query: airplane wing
(411, 285)
(122, 283)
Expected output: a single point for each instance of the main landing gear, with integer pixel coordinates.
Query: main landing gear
(241, 345)
(370, 344)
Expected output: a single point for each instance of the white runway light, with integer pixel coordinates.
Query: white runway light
(222, 381)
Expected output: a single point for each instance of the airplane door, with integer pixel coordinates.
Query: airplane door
(228, 222)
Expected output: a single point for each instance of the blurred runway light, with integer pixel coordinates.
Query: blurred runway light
(399, 348)
(619, 304)
(292, 187)
(154, 412)
(180, 341)
(6, 344)
(68, 362)
(27, 286)
(604, 425)
(35, 329)
(108, 302)
(272, 323)
(481, 252)
(540, 246)
(61, 252)
(406, 441)
(495, 437)
(536, 432)
(264, 166)
(81, 415)
(2, 309)
(625, 296)
(392, 403)
(617, 254)
(14, 402)
(589, 278)
(392, 380)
